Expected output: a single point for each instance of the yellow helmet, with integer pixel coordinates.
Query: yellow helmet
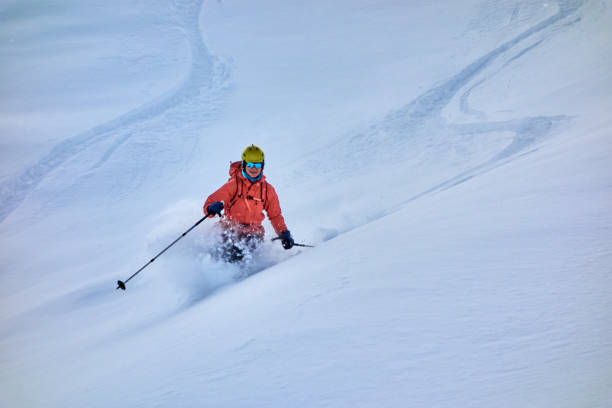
(253, 154)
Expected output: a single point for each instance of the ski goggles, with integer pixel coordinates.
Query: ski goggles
(256, 165)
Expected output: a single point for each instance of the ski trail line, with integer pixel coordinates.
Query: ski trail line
(419, 132)
(420, 126)
(204, 80)
(527, 131)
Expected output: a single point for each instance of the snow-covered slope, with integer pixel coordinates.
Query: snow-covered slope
(450, 161)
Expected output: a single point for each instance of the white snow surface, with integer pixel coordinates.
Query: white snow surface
(451, 161)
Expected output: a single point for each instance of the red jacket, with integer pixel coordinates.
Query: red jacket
(244, 202)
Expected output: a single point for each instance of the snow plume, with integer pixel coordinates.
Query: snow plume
(192, 266)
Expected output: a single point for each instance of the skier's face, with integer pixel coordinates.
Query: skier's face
(253, 171)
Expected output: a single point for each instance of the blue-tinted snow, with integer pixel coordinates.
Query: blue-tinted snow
(451, 161)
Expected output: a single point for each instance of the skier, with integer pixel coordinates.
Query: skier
(243, 199)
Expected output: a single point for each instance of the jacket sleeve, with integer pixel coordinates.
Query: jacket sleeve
(225, 193)
(273, 211)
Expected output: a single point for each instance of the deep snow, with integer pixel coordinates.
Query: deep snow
(450, 161)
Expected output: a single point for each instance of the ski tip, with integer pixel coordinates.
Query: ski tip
(120, 285)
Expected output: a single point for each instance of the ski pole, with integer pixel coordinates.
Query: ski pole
(296, 244)
(121, 284)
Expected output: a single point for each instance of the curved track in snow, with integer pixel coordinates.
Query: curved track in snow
(419, 130)
(176, 116)
(165, 131)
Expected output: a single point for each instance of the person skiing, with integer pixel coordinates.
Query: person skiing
(243, 198)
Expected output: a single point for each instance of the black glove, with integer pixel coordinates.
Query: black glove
(215, 208)
(286, 239)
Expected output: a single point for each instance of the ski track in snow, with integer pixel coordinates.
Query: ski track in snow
(420, 126)
(191, 106)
